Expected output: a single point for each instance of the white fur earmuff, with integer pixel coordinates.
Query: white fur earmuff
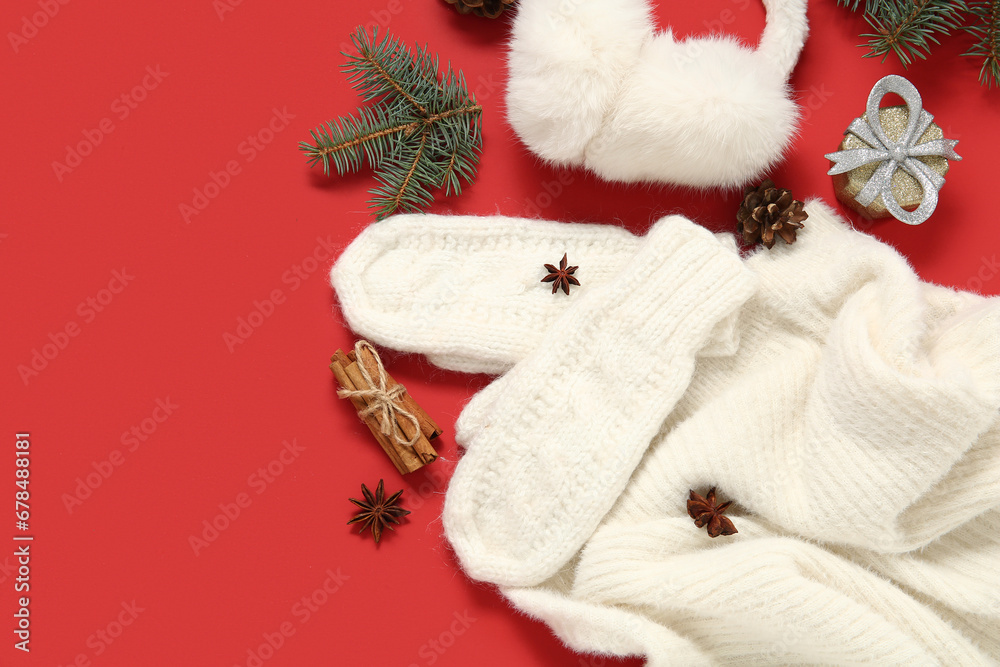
(592, 83)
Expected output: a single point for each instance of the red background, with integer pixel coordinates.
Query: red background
(162, 337)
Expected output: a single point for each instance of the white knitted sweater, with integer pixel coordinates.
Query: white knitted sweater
(851, 411)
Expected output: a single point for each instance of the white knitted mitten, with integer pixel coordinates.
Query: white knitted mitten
(588, 402)
(466, 291)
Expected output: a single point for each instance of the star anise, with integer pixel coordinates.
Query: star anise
(377, 510)
(705, 511)
(561, 277)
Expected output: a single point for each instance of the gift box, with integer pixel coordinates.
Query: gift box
(905, 188)
(893, 160)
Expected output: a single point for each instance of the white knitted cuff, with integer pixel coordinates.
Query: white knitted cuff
(558, 436)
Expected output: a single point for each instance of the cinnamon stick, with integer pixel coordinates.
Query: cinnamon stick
(402, 465)
(422, 447)
(428, 426)
(406, 459)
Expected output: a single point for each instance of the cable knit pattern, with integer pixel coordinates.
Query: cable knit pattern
(850, 410)
(466, 290)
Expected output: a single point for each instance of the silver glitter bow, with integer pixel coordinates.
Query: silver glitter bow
(895, 155)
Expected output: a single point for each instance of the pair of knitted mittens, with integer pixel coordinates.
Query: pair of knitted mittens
(851, 411)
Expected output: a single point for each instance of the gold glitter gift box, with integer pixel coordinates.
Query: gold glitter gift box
(906, 188)
(892, 160)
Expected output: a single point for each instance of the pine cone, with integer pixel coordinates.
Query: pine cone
(487, 8)
(766, 211)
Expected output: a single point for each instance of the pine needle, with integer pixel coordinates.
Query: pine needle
(908, 28)
(422, 131)
(871, 6)
(986, 30)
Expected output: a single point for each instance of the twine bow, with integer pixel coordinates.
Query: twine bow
(895, 155)
(381, 400)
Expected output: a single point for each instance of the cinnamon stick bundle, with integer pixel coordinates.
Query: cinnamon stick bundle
(406, 458)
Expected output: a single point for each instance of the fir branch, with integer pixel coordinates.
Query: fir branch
(408, 189)
(423, 131)
(987, 33)
(907, 28)
(382, 69)
(348, 141)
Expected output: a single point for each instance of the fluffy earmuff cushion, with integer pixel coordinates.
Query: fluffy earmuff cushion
(592, 84)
